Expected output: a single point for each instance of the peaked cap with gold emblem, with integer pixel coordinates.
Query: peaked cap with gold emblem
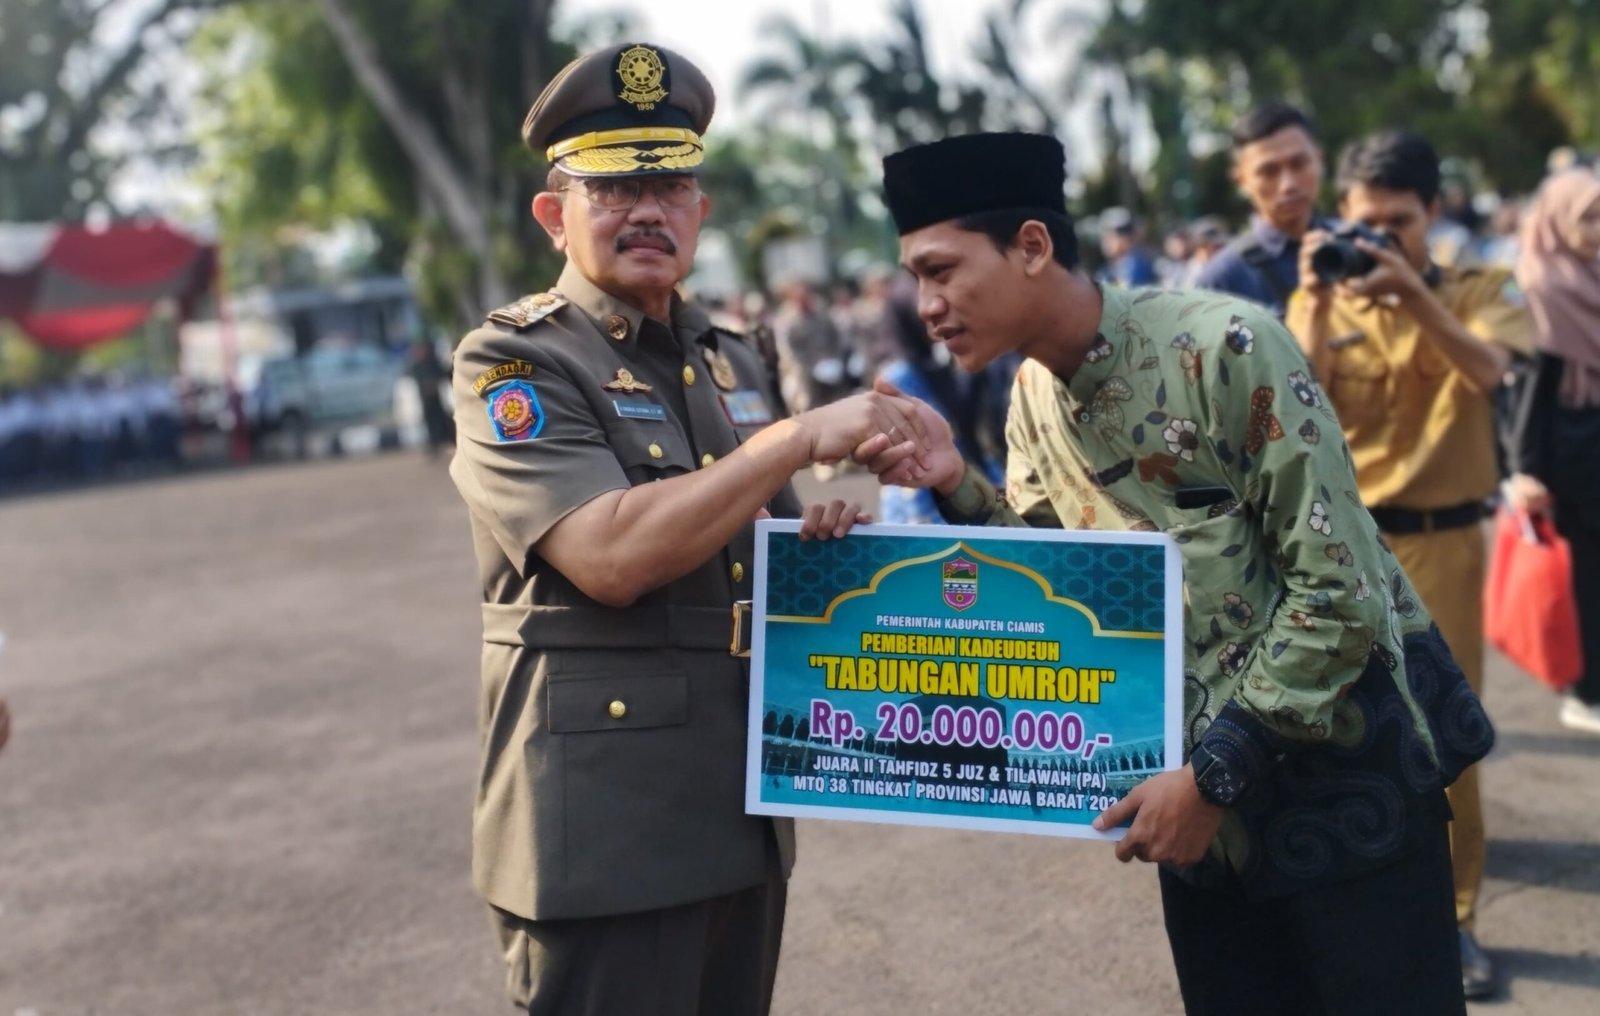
(628, 110)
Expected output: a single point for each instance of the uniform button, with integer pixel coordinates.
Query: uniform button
(688, 374)
(738, 572)
(618, 709)
(707, 459)
(655, 451)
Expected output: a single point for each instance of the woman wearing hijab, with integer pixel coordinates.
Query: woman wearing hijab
(1558, 425)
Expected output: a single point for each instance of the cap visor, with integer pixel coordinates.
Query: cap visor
(633, 160)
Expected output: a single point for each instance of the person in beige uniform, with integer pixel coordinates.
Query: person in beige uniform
(1411, 354)
(614, 450)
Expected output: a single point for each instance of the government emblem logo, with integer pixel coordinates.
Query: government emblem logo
(960, 583)
(515, 413)
(722, 374)
(641, 71)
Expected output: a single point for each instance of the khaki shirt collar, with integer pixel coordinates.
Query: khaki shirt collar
(692, 323)
(688, 320)
(599, 304)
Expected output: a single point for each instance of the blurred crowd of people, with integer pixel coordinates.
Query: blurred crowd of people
(1480, 227)
(826, 343)
(88, 428)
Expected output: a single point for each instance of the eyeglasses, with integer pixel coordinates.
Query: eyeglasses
(614, 195)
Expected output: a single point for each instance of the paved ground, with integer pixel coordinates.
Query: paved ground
(243, 757)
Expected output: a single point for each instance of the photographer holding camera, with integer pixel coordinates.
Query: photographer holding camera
(1411, 355)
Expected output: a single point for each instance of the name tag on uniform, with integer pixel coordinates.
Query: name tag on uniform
(640, 410)
(746, 408)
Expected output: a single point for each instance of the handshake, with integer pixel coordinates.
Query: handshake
(900, 439)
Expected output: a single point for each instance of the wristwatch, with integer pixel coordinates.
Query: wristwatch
(1218, 782)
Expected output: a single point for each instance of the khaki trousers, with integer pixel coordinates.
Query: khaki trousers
(1447, 570)
(717, 957)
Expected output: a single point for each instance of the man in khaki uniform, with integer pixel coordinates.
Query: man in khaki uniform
(1411, 355)
(614, 450)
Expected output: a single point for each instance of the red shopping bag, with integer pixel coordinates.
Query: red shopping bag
(1530, 612)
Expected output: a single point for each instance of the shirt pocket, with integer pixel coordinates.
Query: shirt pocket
(1360, 387)
(592, 702)
(650, 450)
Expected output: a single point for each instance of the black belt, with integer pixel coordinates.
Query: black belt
(1405, 521)
(660, 626)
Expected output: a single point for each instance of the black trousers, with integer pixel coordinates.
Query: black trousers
(1384, 944)
(1581, 533)
(716, 957)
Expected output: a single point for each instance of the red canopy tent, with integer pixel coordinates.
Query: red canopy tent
(70, 287)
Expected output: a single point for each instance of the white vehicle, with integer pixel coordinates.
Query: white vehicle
(310, 363)
(332, 387)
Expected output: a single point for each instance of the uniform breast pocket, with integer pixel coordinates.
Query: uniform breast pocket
(1360, 388)
(584, 703)
(649, 451)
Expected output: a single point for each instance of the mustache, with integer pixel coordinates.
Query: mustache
(629, 238)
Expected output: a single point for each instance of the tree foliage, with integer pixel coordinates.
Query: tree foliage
(403, 114)
(1499, 84)
(60, 81)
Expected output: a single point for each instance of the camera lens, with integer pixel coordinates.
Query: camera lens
(1340, 259)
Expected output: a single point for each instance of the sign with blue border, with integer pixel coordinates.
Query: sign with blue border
(1018, 680)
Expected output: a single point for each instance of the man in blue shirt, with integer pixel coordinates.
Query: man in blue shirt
(1127, 264)
(1277, 164)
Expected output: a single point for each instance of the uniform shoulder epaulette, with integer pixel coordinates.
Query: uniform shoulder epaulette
(726, 325)
(528, 311)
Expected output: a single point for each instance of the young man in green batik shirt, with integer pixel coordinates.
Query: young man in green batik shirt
(1304, 861)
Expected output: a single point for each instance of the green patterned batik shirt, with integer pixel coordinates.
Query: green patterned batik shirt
(1289, 592)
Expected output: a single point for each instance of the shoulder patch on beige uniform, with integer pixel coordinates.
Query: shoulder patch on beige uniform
(501, 372)
(528, 311)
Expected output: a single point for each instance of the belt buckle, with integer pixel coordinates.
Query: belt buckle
(739, 644)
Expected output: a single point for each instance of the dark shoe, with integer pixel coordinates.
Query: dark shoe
(1477, 969)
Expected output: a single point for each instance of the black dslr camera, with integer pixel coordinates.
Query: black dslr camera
(1339, 258)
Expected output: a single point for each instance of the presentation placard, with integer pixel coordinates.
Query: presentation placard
(1019, 680)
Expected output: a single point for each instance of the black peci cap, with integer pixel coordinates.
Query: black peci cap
(972, 173)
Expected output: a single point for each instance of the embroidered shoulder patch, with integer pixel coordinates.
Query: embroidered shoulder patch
(528, 311)
(500, 373)
(515, 413)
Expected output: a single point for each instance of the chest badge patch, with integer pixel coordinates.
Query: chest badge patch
(515, 413)
(746, 409)
(722, 374)
(639, 410)
(626, 383)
